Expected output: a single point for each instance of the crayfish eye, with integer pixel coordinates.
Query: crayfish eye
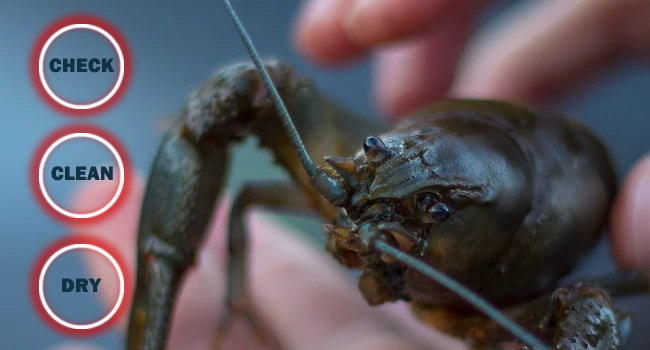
(439, 212)
(370, 143)
(375, 149)
(431, 210)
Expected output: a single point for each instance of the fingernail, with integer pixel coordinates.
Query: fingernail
(640, 222)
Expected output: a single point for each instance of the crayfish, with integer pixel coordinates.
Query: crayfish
(469, 210)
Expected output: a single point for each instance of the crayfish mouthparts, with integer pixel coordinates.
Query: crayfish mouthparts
(359, 238)
(391, 233)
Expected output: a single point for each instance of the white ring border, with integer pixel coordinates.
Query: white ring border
(42, 294)
(49, 91)
(42, 183)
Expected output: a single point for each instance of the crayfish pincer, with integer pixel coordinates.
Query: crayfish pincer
(469, 210)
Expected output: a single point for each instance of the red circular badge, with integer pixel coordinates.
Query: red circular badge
(80, 22)
(62, 135)
(44, 261)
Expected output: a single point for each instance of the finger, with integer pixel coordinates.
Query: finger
(549, 47)
(371, 23)
(412, 74)
(630, 223)
(337, 31)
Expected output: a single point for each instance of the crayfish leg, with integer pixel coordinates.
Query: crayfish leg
(184, 184)
(585, 319)
(580, 317)
(278, 196)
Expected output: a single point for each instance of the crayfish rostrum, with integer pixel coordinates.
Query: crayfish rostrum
(501, 198)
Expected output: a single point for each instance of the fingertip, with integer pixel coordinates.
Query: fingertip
(319, 35)
(630, 221)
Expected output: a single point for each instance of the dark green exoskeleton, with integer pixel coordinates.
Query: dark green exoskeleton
(503, 200)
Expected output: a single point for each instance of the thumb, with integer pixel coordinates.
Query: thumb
(631, 219)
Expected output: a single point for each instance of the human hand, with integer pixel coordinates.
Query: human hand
(542, 51)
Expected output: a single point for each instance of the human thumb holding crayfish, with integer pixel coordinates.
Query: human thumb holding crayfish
(544, 51)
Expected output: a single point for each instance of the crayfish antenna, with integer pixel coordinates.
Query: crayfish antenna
(287, 122)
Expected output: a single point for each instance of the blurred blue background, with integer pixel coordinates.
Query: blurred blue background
(175, 47)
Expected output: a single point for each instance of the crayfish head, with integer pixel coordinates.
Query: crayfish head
(346, 183)
(453, 191)
(439, 190)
